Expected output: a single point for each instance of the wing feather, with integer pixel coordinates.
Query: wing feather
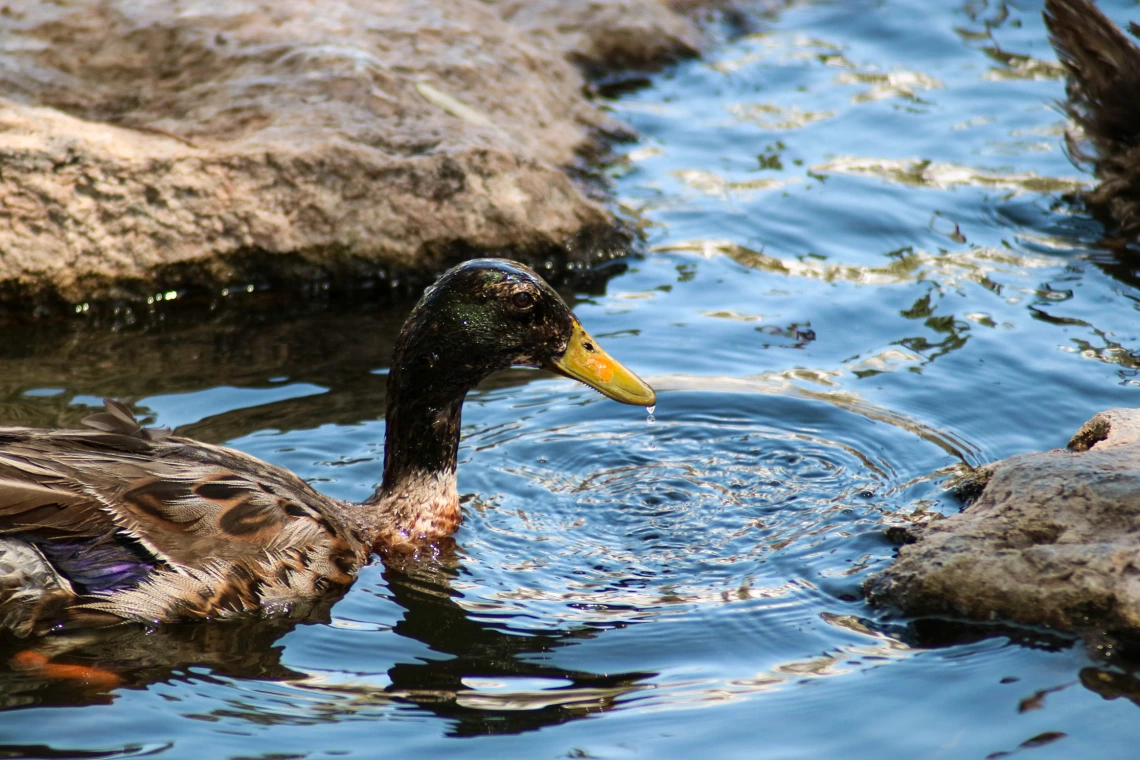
(184, 501)
(155, 527)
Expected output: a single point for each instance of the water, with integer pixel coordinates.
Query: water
(862, 276)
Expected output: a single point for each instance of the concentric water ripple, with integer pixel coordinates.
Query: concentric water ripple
(755, 509)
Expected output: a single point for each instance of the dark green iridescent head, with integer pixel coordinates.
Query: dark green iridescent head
(490, 314)
(478, 318)
(482, 316)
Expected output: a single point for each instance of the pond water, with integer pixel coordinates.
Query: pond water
(861, 276)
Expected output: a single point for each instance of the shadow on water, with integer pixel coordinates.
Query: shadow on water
(477, 653)
(1120, 260)
(938, 633)
(137, 656)
(480, 651)
(52, 373)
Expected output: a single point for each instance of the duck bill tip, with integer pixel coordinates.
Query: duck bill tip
(585, 361)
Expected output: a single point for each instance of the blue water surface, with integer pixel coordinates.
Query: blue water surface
(862, 275)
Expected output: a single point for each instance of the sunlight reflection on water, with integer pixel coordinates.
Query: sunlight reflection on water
(862, 277)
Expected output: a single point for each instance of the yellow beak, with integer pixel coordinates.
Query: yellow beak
(585, 361)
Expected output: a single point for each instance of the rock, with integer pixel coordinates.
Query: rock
(606, 35)
(157, 145)
(1103, 65)
(1053, 539)
(1106, 430)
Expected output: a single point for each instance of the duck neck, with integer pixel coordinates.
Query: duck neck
(418, 500)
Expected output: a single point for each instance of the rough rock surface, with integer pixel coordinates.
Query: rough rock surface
(148, 145)
(1053, 539)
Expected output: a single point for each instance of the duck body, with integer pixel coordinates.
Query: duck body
(1103, 68)
(109, 525)
(124, 523)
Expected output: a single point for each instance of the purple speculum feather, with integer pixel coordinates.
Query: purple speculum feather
(96, 564)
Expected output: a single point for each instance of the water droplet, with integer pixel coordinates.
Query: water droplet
(651, 409)
(650, 420)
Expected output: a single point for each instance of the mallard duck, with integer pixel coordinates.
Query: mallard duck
(124, 523)
(1103, 66)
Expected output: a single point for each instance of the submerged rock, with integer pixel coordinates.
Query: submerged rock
(163, 144)
(1103, 65)
(1053, 539)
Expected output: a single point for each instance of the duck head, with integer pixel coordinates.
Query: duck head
(490, 314)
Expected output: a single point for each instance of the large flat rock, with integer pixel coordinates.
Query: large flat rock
(1053, 539)
(148, 145)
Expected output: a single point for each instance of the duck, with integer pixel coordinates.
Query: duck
(117, 522)
(1103, 69)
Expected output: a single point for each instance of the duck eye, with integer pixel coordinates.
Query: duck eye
(522, 300)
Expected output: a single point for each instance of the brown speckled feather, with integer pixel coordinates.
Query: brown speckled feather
(224, 532)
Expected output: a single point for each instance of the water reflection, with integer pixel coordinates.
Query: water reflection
(490, 681)
(44, 752)
(53, 373)
(923, 173)
(141, 656)
(337, 351)
(1112, 684)
(478, 687)
(1120, 259)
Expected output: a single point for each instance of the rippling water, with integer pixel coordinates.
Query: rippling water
(862, 276)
